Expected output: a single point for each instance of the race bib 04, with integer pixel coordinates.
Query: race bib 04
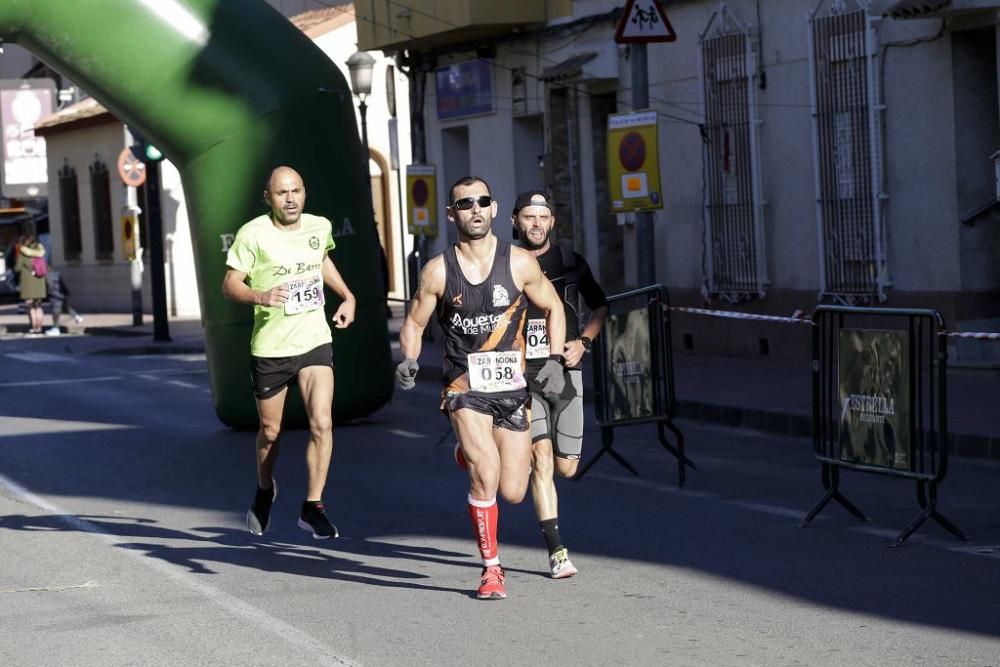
(304, 295)
(537, 339)
(495, 371)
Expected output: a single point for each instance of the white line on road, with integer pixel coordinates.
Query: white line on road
(146, 375)
(233, 605)
(35, 383)
(405, 434)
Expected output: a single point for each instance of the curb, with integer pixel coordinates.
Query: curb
(966, 445)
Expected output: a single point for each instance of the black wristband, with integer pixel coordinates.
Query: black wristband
(585, 340)
(558, 357)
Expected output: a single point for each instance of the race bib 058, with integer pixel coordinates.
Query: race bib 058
(495, 371)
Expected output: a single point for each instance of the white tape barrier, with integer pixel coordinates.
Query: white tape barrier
(804, 319)
(801, 318)
(980, 335)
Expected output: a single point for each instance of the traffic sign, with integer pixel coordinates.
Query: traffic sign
(130, 233)
(131, 169)
(644, 21)
(633, 162)
(421, 200)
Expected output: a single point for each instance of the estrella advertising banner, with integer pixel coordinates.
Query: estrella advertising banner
(634, 162)
(630, 365)
(874, 387)
(421, 200)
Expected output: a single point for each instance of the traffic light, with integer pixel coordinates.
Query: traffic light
(143, 150)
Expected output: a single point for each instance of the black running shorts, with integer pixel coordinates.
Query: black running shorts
(509, 413)
(272, 374)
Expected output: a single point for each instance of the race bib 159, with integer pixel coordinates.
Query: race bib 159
(304, 295)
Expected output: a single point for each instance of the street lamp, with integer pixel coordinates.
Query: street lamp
(360, 66)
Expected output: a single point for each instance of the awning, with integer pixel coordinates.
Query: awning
(571, 68)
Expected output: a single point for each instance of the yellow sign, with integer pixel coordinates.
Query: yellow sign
(130, 234)
(421, 200)
(634, 162)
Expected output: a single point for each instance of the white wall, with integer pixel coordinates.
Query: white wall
(339, 45)
(105, 285)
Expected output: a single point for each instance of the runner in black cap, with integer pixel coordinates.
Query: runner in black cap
(556, 421)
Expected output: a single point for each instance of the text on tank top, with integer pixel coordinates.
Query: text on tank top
(483, 328)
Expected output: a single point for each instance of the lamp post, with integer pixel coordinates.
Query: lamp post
(360, 65)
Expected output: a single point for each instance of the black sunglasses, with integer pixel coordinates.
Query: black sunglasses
(465, 203)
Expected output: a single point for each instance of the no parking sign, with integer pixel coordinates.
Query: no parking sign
(634, 162)
(421, 200)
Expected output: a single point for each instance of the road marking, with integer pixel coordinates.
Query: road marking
(145, 375)
(776, 510)
(186, 385)
(11, 426)
(40, 357)
(405, 434)
(35, 383)
(230, 603)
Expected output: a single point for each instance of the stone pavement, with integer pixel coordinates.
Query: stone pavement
(768, 395)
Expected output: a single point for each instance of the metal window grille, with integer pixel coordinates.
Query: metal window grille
(735, 261)
(100, 198)
(847, 153)
(69, 206)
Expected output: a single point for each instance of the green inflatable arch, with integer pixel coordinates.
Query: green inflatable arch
(228, 89)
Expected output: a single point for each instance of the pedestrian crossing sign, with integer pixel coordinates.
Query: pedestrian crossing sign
(644, 21)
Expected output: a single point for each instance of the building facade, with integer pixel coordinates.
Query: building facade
(87, 196)
(840, 151)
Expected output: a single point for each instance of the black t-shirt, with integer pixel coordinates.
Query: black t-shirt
(489, 316)
(571, 276)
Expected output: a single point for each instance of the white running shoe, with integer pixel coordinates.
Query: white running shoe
(54, 331)
(560, 565)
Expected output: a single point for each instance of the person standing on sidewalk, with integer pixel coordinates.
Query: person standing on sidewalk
(556, 421)
(278, 263)
(58, 300)
(31, 268)
(480, 289)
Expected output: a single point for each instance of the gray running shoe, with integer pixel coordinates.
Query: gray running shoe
(313, 519)
(259, 514)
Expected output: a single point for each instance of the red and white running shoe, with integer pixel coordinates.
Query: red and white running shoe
(492, 586)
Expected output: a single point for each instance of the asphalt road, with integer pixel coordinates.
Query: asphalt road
(122, 542)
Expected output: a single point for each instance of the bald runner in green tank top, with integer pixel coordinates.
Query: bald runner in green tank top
(271, 256)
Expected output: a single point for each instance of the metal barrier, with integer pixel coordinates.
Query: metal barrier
(634, 373)
(880, 402)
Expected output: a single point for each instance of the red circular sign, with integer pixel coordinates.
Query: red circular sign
(632, 151)
(131, 169)
(420, 192)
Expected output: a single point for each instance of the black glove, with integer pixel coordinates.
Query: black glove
(406, 374)
(550, 379)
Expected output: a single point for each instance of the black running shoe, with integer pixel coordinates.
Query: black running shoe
(313, 518)
(259, 514)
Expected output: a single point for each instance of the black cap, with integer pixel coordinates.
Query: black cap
(533, 198)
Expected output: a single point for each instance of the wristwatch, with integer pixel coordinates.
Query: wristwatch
(586, 343)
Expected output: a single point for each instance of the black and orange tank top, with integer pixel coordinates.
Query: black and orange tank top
(483, 328)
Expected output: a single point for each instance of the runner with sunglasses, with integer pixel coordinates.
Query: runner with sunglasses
(479, 289)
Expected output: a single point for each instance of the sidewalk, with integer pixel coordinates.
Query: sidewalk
(762, 394)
